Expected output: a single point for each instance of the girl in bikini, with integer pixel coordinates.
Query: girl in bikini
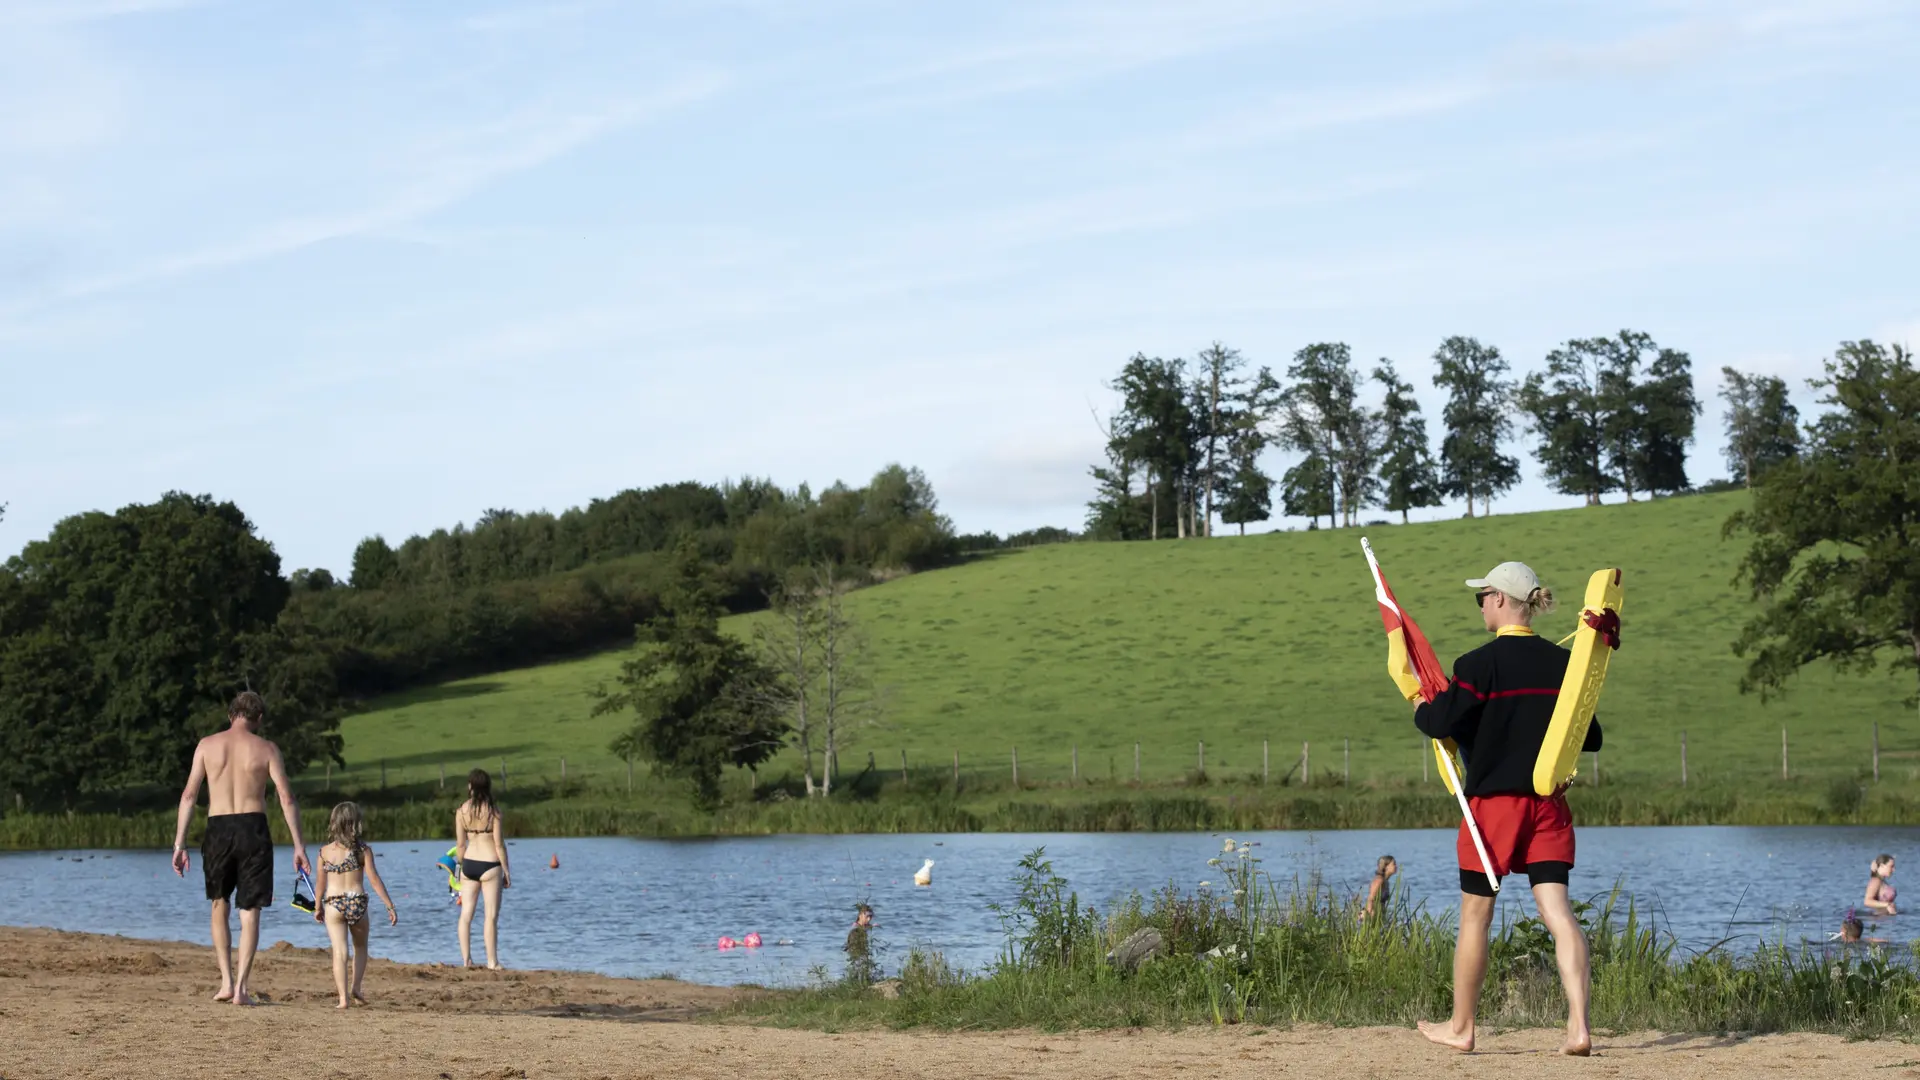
(346, 869)
(480, 844)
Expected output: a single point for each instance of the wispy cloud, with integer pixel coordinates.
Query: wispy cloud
(447, 169)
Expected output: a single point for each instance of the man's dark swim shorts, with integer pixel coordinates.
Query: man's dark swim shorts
(237, 856)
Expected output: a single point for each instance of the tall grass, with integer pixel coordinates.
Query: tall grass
(1249, 950)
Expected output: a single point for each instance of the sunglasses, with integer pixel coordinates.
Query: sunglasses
(1480, 598)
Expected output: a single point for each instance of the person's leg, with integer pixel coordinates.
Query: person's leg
(490, 884)
(360, 957)
(1469, 972)
(337, 934)
(223, 950)
(1570, 953)
(469, 896)
(249, 941)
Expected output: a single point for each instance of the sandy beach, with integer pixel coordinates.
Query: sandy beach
(81, 1007)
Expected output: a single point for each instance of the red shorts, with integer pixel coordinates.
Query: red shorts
(1518, 830)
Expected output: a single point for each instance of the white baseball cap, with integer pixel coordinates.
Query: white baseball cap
(1515, 579)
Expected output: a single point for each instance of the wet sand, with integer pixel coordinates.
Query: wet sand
(82, 1007)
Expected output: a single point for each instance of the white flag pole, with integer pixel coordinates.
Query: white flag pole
(1446, 759)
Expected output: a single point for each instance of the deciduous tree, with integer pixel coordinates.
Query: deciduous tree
(1763, 427)
(1835, 553)
(697, 694)
(1478, 421)
(1408, 479)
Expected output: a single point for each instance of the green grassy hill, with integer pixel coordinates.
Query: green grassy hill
(1230, 642)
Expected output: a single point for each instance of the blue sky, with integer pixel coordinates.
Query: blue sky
(375, 268)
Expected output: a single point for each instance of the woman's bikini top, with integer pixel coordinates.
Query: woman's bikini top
(347, 865)
(1887, 890)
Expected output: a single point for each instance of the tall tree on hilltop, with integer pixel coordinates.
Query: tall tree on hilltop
(1408, 479)
(374, 564)
(1238, 406)
(1307, 490)
(1667, 399)
(1323, 420)
(1564, 407)
(1834, 558)
(1763, 427)
(1646, 394)
(1161, 432)
(1477, 420)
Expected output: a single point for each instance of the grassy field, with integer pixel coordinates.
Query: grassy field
(1088, 649)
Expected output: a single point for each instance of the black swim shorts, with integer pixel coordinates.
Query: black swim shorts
(237, 856)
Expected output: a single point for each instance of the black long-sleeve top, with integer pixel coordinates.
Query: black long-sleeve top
(1498, 709)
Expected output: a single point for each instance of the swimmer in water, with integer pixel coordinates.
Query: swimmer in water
(1880, 890)
(1851, 929)
(1381, 890)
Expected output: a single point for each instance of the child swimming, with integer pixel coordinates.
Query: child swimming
(341, 902)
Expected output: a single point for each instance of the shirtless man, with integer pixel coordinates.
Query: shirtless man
(237, 851)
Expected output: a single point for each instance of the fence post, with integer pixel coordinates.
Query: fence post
(443, 776)
(1596, 768)
(1136, 763)
(563, 770)
(1876, 751)
(1683, 757)
(383, 774)
(1076, 764)
(503, 770)
(903, 765)
(1346, 763)
(329, 776)
(1306, 764)
(1016, 767)
(1263, 761)
(1783, 752)
(1423, 763)
(629, 776)
(956, 770)
(1201, 761)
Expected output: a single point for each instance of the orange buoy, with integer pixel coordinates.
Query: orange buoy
(553, 863)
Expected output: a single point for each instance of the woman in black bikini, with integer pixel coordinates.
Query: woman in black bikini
(480, 845)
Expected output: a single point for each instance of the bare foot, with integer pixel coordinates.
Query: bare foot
(496, 967)
(1444, 1034)
(241, 997)
(1581, 1046)
(342, 1005)
(359, 997)
(225, 994)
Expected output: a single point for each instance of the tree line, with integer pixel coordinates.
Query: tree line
(1603, 415)
(122, 635)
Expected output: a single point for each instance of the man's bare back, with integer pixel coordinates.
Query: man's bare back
(237, 764)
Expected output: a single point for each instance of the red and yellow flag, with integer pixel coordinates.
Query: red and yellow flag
(1410, 660)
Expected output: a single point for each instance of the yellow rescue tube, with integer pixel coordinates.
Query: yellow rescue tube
(1594, 641)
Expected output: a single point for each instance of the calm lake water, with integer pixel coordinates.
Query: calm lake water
(647, 907)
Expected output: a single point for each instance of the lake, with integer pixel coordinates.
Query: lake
(648, 907)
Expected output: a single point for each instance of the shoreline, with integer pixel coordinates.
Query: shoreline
(85, 1006)
(1083, 810)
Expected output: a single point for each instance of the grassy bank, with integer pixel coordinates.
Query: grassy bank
(1070, 656)
(1252, 951)
(580, 810)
